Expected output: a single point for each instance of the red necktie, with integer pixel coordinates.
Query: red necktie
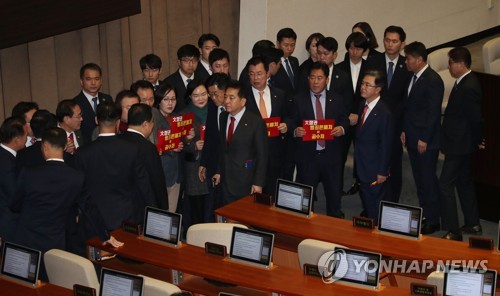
(230, 130)
(72, 139)
(33, 141)
(319, 116)
(363, 115)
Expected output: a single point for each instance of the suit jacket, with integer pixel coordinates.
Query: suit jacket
(32, 156)
(201, 72)
(7, 188)
(243, 163)
(282, 81)
(48, 211)
(152, 163)
(210, 154)
(422, 112)
(334, 109)
(372, 151)
(116, 179)
(394, 94)
(175, 80)
(279, 107)
(461, 130)
(353, 105)
(88, 123)
(304, 67)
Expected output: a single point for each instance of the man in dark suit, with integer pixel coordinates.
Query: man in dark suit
(26, 111)
(69, 116)
(287, 77)
(397, 77)
(151, 69)
(187, 58)
(48, 212)
(90, 97)
(209, 162)
(372, 152)
(321, 161)
(461, 133)
(422, 116)
(13, 136)
(219, 61)
(115, 176)
(354, 65)
(206, 43)
(257, 49)
(266, 102)
(140, 126)
(244, 151)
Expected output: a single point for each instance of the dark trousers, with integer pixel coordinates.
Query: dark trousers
(424, 173)
(371, 195)
(214, 199)
(457, 174)
(396, 171)
(197, 205)
(321, 170)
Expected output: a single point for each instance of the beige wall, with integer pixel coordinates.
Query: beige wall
(47, 71)
(432, 22)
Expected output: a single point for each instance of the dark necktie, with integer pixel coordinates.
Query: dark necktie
(290, 72)
(413, 81)
(95, 103)
(188, 80)
(363, 115)
(390, 73)
(230, 131)
(319, 116)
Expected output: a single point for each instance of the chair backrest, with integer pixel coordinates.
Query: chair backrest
(436, 278)
(310, 250)
(154, 287)
(438, 59)
(218, 233)
(66, 269)
(491, 56)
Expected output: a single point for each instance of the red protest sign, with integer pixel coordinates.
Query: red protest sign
(318, 129)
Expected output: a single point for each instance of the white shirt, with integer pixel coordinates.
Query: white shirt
(90, 97)
(330, 77)
(355, 70)
(283, 64)
(220, 109)
(10, 150)
(237, 118)
(107, 134)
(55, 159)
(387, 60)
(267, 98)
(460, 78)
(206, 66)
(371, 105)
(185, 78)
(28, 141)
(74, 138)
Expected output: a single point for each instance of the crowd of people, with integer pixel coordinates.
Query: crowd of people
(97, 162)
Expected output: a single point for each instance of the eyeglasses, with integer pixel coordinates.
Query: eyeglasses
(366, 84)
(169, 100)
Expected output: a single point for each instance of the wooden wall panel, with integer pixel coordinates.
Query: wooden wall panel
(43, 73)
(69, 61)
(47, 71)
(15, 76)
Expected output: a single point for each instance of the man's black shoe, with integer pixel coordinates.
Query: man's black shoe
(354, 188)
(429, 228)
(453, 236)
(476, 230)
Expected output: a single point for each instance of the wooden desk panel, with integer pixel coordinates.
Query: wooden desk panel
(193, 260)
(11, 288)
(340, 231)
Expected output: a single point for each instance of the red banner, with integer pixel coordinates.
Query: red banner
(181, 123)
(168, 140)
(272, 124)
(318, 129)
(202, 132)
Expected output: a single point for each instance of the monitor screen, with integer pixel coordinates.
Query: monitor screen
(357, 267)
(21, 263)
(252, 246)
(294, 197)
(162, 225)
(460, 281)
(400, 219)
(116, 283)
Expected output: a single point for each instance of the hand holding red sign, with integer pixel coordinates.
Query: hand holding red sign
(318, 129)
(168, 140)
(272, 124)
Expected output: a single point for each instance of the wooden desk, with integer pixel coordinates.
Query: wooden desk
(193, 260)
(340, 231)
(11, 288)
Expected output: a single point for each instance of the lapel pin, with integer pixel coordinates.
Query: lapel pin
(401, 66)
(336, 76)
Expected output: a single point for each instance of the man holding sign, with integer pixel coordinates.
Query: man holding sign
(270, 104)
(319, 118)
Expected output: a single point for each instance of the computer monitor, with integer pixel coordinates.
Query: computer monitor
(20, 263)
(294, 197)
(162, 226)
(252, 246)
(117, 283)
(400, 219)
(460, 281)
(357, 267)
